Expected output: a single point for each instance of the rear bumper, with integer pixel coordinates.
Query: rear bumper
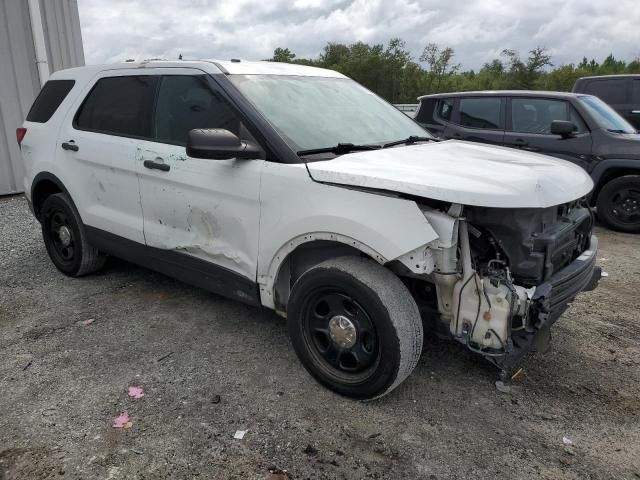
(554, 296)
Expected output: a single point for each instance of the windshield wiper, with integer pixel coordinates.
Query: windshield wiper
(339, 149)
(410, 140)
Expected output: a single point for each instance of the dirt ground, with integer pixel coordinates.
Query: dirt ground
(62, 382)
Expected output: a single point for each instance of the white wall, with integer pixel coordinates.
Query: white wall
(19, 80)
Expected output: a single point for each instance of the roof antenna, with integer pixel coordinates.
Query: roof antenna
(180, 57)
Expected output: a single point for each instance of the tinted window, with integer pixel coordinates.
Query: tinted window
(119, 105)
(635, 92)
(480, 112)
(612, 91)
(534, 115)
(49, 99)
(186, 102)
(445, 107)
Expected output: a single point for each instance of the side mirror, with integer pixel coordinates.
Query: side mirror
(563, 128)
(219, 144)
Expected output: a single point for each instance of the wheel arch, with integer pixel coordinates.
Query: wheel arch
(301, 253)
(45, 184)
(609, 170)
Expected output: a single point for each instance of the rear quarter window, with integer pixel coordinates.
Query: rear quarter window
(49, 99)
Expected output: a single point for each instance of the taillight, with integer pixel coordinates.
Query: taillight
(20, 133)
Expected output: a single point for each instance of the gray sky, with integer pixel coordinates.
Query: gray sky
(478, 30)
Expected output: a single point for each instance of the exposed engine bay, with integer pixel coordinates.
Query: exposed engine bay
(496, 279)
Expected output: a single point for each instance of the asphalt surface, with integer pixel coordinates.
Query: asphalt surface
(71, 348)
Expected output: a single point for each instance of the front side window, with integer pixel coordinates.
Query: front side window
(320, 112)
(534, 115)
(445, 108)
(119, 106)
(49, 99)
(612, 91)
(480, 112)
(186, 102)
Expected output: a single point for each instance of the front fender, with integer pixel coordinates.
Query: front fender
(296, 210)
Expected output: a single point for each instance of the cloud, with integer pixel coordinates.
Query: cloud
(477, 29)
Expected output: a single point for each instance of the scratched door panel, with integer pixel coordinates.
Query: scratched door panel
(205, 208)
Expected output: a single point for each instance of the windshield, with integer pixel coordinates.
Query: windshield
(605, 116)
(319, 112)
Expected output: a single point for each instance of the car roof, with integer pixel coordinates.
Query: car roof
(619, 75)
(229, 67)
(501, 93)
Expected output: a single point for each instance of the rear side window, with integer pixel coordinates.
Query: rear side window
(186, 102)
(445, 108)
(480, 112)
(611, 91)
(119, 106)
(49, 99)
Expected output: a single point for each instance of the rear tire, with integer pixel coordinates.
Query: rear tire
(65, 239)
(355, 327)
(619, 204)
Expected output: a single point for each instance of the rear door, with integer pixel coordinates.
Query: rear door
(529, 128)
(100, 139)
(207, 209)
(478, 119)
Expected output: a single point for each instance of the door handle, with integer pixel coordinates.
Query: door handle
(156, 165)
(70, 145)
(635, 112)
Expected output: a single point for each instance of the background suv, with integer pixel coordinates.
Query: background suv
(579, 128)
(621, 92)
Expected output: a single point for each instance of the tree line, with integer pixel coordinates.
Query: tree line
(392, 72)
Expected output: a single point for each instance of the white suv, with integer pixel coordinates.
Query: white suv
(297, 189)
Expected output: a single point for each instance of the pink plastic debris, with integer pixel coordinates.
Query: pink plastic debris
(121, 421)
(136, 392)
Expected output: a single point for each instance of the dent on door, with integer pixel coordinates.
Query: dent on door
(204, 208)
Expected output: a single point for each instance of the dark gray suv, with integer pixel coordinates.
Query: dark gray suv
(575, 127)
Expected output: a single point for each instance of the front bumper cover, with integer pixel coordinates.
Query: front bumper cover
(554, 296)
(549, 302)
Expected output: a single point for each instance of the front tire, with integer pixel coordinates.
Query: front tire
(65, 239)
(355, 327)
(619, 204)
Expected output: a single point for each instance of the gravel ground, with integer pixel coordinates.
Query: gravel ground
(62, 382)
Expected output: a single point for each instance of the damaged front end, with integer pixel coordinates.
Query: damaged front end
(498, 278)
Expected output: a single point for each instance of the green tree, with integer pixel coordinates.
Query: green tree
(440, 63)
(283, 55)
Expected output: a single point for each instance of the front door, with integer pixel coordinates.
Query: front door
(529, 128)
(205, 209)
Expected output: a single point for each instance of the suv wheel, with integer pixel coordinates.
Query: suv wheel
(65, 240)
(619, 204)
(355, 327)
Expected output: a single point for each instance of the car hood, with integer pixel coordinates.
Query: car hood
(460, 172)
